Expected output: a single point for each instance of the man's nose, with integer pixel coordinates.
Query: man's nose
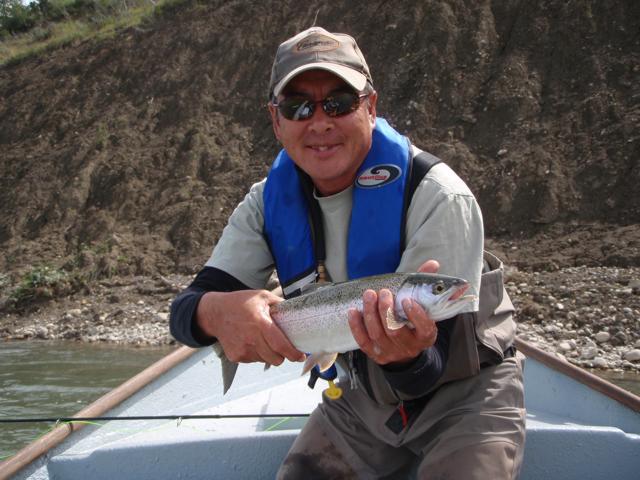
(320, 121)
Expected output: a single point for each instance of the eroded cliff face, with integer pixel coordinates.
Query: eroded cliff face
(128, 155)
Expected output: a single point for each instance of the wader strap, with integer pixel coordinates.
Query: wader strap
(420, 166)
(317, 230)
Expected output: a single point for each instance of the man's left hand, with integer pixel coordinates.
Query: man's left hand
(384, 346)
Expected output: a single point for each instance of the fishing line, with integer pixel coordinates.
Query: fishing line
(151, 417)
(283, 418)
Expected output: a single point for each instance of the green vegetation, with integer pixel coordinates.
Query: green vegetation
(27, 30)
(90, 263)
(102, 136)
(42, 282)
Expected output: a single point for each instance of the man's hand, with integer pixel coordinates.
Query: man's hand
(386, 346)
(242, 324)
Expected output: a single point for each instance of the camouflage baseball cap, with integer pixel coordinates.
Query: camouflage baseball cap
(316, 48)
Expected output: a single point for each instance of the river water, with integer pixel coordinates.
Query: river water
(57, 379)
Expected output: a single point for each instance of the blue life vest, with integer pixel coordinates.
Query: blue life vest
(374, 240)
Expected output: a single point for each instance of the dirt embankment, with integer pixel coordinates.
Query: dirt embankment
(122, 159)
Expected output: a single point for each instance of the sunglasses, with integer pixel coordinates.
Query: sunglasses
(338, 104)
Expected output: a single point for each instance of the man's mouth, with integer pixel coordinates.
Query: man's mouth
(324, 148)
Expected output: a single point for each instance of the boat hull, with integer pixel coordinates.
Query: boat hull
(573, 431)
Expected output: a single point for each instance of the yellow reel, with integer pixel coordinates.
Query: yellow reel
(333, 392)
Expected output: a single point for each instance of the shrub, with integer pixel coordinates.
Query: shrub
(15, 17)
(39, 283)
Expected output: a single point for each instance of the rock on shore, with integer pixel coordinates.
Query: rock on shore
(588, 316)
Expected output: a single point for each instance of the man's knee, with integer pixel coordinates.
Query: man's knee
(499, 460)
(320, 466)
(314, 456)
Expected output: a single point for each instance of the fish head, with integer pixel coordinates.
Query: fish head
(441, 296)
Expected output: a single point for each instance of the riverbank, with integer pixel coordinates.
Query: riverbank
(589, 316)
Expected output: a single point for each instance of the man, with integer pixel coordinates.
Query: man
(347, 197)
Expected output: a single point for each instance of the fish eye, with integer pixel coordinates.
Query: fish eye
(439, 288)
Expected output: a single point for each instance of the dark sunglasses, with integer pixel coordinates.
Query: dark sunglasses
(299, 107)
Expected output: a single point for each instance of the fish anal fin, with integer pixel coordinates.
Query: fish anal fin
(322, 359)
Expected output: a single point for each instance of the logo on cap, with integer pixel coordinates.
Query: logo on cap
(378, 176)
(317, 43)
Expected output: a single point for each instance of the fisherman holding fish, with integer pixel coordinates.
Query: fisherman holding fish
(430, 379)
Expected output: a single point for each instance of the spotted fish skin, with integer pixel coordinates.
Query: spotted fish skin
(317, 322)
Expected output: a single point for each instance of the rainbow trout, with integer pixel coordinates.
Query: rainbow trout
(317, 322)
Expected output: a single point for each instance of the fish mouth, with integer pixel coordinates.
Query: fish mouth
(450, 303)
(459, 291)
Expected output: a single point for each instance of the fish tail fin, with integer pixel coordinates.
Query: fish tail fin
(322, 359)
(229, 368)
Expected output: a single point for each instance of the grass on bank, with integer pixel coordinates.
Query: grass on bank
(77, 20)
(41, 283)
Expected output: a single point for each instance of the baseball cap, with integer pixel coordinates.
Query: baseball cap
(315, 48)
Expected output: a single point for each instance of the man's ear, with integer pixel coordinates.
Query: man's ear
(372, 102)
(275, 120)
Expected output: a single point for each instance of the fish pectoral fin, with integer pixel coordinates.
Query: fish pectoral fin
(395, 321)
(323, 360)
(229, 368)
(267, 366)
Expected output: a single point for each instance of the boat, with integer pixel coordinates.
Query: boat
(578, 425)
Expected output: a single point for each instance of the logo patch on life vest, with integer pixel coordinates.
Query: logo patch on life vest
(378, 176)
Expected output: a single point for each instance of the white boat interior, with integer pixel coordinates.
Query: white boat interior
(573, 431)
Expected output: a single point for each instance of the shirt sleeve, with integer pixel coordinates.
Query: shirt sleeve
(242, 250)
(427, 368)
(240, 260)
(182, 320)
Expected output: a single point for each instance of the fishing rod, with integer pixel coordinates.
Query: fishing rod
(151, 417)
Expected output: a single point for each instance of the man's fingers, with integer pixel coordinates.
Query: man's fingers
(359, 331)
(430, 266)
(371, 312)
(385, 306)
(280, 345)
(425, 329)
(267, 355)
(272, 298)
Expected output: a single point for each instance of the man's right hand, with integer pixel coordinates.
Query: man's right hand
(242, 324)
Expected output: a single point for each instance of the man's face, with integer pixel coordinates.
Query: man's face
(329, 149)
